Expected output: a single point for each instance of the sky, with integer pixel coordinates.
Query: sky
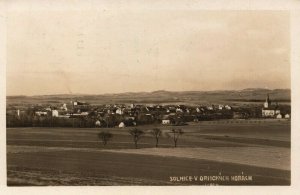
(133, 50)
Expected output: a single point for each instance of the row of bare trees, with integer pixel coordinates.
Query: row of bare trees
(106, 136)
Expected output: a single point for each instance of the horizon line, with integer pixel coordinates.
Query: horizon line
(161, 90)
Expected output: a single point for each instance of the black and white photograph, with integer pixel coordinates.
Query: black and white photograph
(133, 93)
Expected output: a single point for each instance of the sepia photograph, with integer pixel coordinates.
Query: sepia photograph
(108, 94)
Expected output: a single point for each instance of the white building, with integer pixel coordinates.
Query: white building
(165, 121)
(227, 107)
(98, 123)
(121, 125)
(84, 113)
(119, 111)
(41, 113)
(209, 108)
(64, 107)
(268, 112)
(179, 110)
(54, 113)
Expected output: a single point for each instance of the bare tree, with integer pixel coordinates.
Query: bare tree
(156, 133)
(136, 134)
(175, 135)
(105, 136)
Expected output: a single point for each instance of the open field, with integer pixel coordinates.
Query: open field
(65, 156)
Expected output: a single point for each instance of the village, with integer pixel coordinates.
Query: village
(82, 114)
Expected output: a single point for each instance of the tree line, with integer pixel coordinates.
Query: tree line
(174, 134)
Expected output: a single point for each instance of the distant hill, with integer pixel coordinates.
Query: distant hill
(161, 96)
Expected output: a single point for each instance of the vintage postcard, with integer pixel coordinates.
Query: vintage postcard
(149, 93)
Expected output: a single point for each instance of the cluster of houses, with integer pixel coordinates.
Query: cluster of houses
(133, 114)
(166, 114)
(270, 110)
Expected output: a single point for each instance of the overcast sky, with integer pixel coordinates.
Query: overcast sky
(112, 51)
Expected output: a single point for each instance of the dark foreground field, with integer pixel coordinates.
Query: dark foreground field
(59, 156)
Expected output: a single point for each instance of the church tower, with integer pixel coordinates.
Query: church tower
(267, 102)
